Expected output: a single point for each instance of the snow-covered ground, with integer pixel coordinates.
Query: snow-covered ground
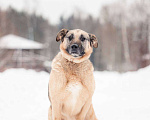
(24, 95)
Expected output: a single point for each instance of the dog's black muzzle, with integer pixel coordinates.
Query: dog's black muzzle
(76, 50)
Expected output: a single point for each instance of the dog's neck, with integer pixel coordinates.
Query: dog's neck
(78, 69)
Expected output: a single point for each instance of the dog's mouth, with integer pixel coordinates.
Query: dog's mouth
(77, 55)
(78, 52)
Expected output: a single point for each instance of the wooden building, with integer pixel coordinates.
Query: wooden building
(18, 52)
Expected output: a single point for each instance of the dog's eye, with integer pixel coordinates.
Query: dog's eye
(82, 38)
(70, 37)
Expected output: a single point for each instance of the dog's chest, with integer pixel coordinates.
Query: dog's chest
(73, 104)
(73, 89)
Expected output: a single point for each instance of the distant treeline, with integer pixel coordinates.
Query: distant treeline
(123, 32)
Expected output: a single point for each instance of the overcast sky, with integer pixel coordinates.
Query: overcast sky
(53, 9)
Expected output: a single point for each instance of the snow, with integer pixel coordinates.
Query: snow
(123, 96)
(15, 42)
(24, 95)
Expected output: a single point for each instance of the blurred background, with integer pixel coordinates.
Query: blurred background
(28, 29)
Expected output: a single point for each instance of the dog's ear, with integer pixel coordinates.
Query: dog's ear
(61, 34)
(93, 41)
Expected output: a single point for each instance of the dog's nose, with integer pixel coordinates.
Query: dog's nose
(74, 46)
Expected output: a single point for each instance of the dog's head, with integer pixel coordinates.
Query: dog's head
(77, 45)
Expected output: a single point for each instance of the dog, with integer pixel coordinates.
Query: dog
(72, 84)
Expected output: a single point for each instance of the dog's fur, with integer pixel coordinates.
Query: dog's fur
(72, 84)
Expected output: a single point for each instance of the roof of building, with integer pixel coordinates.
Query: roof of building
(16, 42)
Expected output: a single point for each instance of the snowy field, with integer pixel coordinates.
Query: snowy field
(24, 95)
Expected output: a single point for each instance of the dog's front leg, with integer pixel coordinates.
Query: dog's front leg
(57, 84)
(56, 109)
(84, 110)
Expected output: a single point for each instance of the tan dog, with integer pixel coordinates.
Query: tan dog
(72, 84)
